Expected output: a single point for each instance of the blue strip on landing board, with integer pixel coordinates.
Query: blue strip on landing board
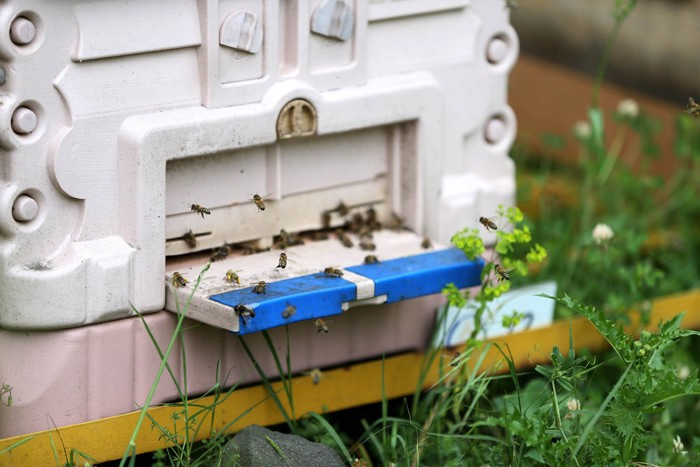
(424, 274)
(318, 295)
(314, 296)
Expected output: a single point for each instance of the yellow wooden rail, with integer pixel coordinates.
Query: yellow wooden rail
(338, 389)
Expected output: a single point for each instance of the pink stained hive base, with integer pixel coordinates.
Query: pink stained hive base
(76, 375)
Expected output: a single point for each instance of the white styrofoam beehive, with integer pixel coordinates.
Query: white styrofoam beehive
(117, 116)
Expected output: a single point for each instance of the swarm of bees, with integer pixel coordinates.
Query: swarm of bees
(333, 272)
(502, 273)
(371, 259)
(200, 210)
(289, 311)
(232, 277)
(321, 325)
(260, 287)
(178, 280)
(693, 108)
(488, 223)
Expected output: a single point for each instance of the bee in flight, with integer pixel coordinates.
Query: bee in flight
(315, 375)
(371, 259)
(426, 244)
(178, 280)
(455, 359)
(244, 312)
(200, 210)
(259, 201)
(332, 272)
(321, 325)
(219, 254)
(260, 287)
(289, 311)
(190, 239)
(693, 108)
(232, 277)
(488, 223)
(502, 273)
(283, 261)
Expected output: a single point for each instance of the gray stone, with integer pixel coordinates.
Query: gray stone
(251, 447)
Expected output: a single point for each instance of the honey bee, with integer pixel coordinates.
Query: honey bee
(326, 219)
(289, 311)
(219, 254)
(344, 239)
(244, 312)
(342, 209)
(232, 276)
(488, 223)
(396, 222)
(455, 359)
(332, 272)
(190, 239)
(248, 250)
(283, 261)
(502, 273)
(320, 236)
(371, 215)
(426, 244)
(200, 210)
(178, 280)
(321, 325)
(693, 108)
(315, 375)
(371, 259)
(260, 287)
(259, 201)
(366, 244)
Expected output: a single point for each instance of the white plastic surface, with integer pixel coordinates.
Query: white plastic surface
(135, 123)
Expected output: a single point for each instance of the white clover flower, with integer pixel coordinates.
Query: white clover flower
(678, 446)
(628, 108)
(582, 129)
(573, 404)
(602, 233)
(683, 372)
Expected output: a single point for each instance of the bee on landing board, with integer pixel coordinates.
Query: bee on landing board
(315, 375)
(179, 281)
(232, 277)
(289, 311)
(200, 210)
(455, 359)
(244, 312)
(371, 259)
(260, 287)
(283, 261)
(259, 201)
(488, 223)
(321, 326)
(502, 273)
(332, 272)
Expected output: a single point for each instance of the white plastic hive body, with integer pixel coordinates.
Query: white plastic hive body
(117, 116)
